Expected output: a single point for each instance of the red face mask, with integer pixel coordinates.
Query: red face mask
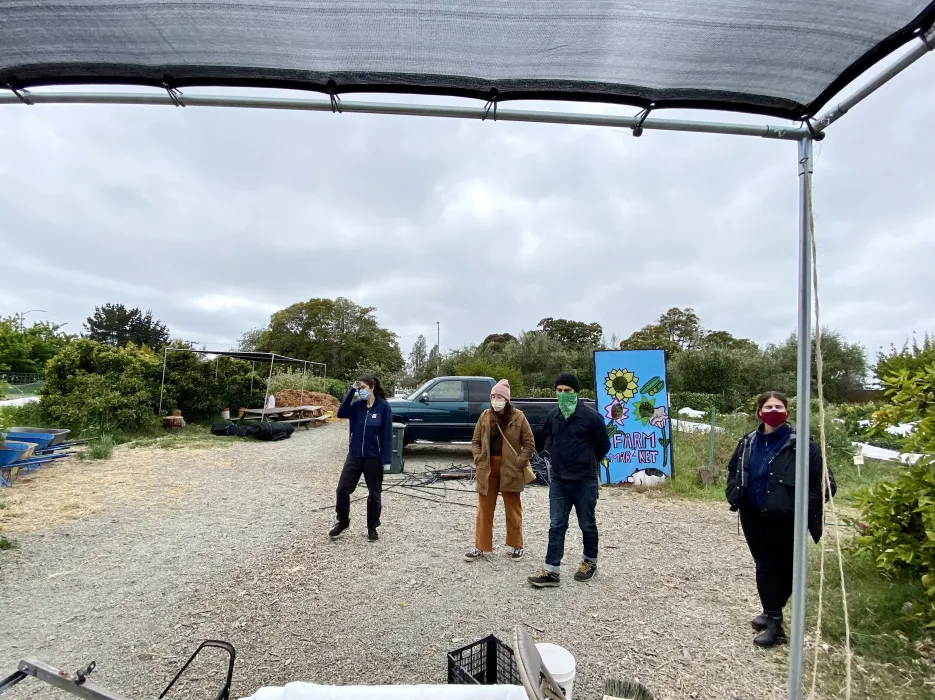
(773, 418)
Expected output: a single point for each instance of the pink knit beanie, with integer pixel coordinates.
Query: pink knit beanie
(501, 388)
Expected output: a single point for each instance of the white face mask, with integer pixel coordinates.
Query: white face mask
(498, 404)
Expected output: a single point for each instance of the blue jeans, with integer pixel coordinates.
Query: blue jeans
(564, 494)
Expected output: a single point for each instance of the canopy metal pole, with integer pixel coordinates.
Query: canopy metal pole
(926, 44)
(252, 372)
(304, 373)
(770, 131)
(802, 422)
(269, 379)
(162, 388)
(217, 362)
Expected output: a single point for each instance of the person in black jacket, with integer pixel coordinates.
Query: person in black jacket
(761, 485)
(370, 452)
(577, 441)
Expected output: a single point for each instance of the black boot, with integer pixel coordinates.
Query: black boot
(773, 634)
(759, 622)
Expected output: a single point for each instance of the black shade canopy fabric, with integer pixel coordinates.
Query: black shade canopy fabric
(784, 58)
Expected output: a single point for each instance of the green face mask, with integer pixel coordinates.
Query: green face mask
(567, 402)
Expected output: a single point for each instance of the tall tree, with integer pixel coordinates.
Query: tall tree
(432, 366)
(723, 339)
(495, 342)
(649, 337)
(252, 340)
(116, 325)
(682, 327)
(572, 333)
(338, 332)
(674, 331)
(845, 364)
(418, 356)
(28, 349)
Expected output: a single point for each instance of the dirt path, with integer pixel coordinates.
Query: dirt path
(231, 544)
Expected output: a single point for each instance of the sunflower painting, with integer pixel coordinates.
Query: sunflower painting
(621, 384)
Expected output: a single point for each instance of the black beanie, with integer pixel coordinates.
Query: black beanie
(568, 379)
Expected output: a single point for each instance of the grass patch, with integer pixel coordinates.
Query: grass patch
(193, 435)
(6, 544)
(892, 651)
(102, 448)
(692, 452)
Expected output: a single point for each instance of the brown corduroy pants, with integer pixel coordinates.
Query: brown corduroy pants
(487, 506)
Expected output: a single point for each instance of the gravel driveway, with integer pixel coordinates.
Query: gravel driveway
(231, 543)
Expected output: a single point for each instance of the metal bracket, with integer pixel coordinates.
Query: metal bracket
(74, 683)
(77, 683)
(638, 129)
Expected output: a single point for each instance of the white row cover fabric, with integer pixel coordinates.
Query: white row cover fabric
(784, 58)
(311, 691)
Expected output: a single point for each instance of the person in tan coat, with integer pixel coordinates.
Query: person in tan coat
(502, 445)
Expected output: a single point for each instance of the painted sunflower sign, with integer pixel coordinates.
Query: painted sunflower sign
(633, 399)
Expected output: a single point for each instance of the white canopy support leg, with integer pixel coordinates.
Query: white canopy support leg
(162, 388)
(802, 422)
(268, 382)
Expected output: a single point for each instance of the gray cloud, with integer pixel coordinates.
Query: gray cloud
(213, 218)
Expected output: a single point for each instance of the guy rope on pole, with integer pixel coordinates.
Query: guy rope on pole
(825, 480)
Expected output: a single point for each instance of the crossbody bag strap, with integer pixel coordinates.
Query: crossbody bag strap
(515, 453)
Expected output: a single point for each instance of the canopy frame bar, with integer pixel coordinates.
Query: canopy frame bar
(926, 44)
(636, 123)
(254, 357)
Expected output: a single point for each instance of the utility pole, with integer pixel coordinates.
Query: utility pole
(438, 346)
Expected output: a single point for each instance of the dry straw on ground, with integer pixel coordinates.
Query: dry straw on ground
(72, 489)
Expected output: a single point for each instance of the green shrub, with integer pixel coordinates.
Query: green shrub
(899, 516)
(95, 388)
(293, 379)
(699, 402)
(29, 414)
(548, 392)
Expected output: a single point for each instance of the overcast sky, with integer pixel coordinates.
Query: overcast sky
(216, 218)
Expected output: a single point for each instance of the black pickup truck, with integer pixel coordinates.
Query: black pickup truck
(446, 409)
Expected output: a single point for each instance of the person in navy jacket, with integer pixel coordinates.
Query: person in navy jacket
(370, 450)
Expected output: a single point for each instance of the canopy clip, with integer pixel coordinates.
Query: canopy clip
(812, 132)
(491, 104)
(334, 97)
(22, 94)
(81, 675)
(638, 129)
(174, 94)
(929, 43)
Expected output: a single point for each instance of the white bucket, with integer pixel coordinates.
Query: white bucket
(561, 665)
(226, 414)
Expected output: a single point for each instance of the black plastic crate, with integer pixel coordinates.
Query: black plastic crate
(485, 662)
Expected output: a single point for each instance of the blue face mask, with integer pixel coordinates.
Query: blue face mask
(364, 394)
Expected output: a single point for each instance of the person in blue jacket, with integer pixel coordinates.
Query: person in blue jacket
(370, 449)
